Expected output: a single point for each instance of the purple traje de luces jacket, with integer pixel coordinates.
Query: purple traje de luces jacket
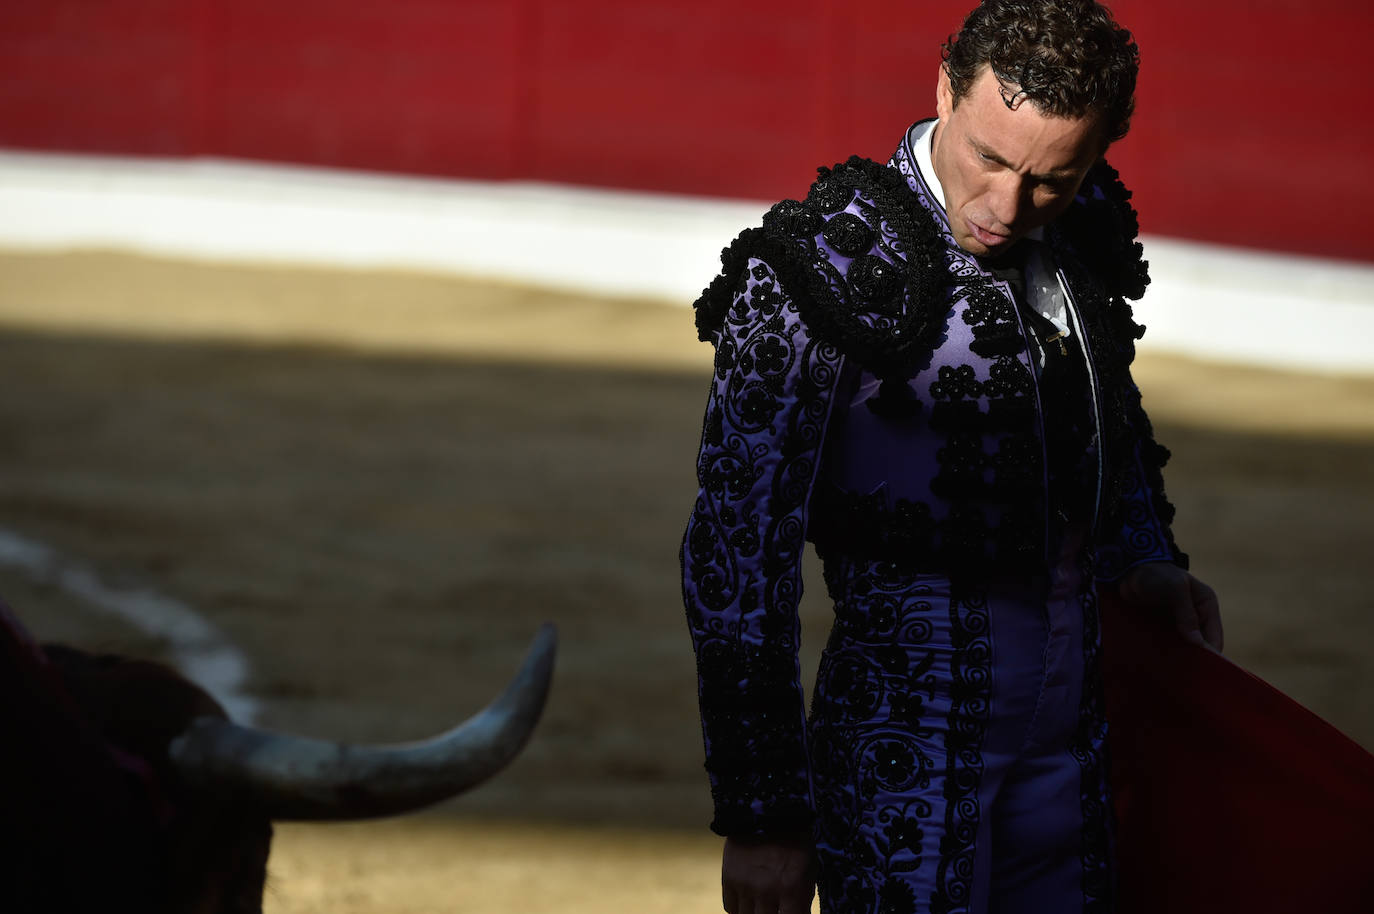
(875, 393)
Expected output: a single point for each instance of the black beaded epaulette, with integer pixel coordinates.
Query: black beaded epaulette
(887, 309)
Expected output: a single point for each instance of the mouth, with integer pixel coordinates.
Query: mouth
(984, 237)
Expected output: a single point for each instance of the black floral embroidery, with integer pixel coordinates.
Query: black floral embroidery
(840, 891)
(987, 305)
(894, 765)
(757, 408)
(905, 833)
(962, 462)
(1017, 467)
(771, 356)
(1020, 537)
(863, 525)
(1009, 377)
(766, 300)
(967, 721)
(876, 284)
(1011, 413)
(725, 358)
(996, 328)
(856, 694)
(896, 897)
(992, 341)
(1090, 751)
(907, 535)
(965, 537)
(793, 217)
(955, 383)
(849, 235)
(876, 777)
(829, 196)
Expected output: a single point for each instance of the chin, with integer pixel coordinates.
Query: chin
(975, 247)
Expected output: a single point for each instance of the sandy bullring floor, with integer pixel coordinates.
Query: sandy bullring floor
(378, 485)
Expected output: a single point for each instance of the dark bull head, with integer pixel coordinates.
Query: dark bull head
(125, 787)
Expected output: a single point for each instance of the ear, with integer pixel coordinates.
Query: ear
(944, 95)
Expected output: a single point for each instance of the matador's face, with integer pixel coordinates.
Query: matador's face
(1006, 168)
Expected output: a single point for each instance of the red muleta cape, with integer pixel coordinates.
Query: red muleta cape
(1230, 796)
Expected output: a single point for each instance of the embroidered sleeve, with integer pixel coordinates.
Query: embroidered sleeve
(1139, 508)
(741, 580)
(1144, 513)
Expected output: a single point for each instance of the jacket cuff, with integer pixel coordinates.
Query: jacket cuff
(754, 726)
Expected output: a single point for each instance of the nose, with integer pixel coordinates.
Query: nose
(1007, 199)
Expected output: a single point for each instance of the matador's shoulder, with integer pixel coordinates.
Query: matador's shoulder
(860, 257)
(1103, 225)
(1100, 229)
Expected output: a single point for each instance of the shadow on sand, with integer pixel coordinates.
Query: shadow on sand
(382, 534)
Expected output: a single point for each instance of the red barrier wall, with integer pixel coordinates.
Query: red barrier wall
(1252, 126)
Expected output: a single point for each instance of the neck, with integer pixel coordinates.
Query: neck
(936, 133)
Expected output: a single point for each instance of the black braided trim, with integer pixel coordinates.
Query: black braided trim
(1101, 229)
(1104, 231)
(716, 299)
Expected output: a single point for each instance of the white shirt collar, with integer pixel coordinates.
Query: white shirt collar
(921, 135)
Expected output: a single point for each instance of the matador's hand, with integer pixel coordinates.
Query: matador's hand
(767, 876)
(1162, 587)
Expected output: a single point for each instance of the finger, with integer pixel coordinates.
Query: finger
(1186, 619)
(744, 904)
(752, 899)
(1212, 632)
(1209, 613)
(1215, 635)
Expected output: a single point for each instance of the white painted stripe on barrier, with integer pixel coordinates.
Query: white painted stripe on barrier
(612, 242)
(198, 649)
(1252, 306)
(1206, 300)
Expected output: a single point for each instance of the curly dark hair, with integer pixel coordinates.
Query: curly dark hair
(1069, 57)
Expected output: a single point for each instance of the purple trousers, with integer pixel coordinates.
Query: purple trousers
(957, 743)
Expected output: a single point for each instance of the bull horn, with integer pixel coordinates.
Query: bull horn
(291, 777)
